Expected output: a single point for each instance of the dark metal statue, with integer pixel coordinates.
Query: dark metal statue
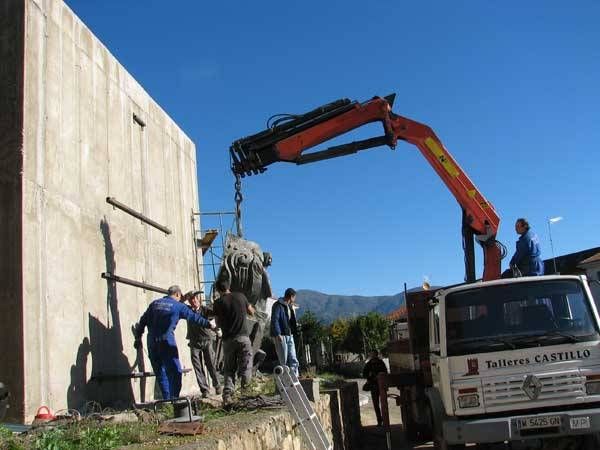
(244, 265)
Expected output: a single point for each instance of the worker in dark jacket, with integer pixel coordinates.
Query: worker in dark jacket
(201, 341)
(527, 257)
(372, 368)
(283, 328)
(231, 310)
(161, 318)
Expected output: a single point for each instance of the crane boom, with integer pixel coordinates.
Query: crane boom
(290, 137)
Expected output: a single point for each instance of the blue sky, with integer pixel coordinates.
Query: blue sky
(511, 88)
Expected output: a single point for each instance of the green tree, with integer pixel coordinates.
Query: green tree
(338, 331)
(312, 328)
(366, 333)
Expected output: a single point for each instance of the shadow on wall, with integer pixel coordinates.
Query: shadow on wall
(110, 382)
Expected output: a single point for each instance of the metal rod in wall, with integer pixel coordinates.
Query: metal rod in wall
(198, 278)
(137, 215)
(137, 119)
(226, 213)
(118, 279)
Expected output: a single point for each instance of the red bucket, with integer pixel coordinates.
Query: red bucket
(44, 416)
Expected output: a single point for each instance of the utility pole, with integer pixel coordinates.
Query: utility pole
(552, 220)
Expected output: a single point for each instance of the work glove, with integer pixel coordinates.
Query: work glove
(137, 344)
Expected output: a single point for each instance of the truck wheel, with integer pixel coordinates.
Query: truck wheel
(409, 424)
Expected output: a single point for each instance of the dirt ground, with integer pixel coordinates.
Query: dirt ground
(374, 437)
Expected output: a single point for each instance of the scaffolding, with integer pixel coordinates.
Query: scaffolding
(209, 245)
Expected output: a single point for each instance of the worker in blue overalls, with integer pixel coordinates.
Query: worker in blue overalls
(161, 318)
(527, 258)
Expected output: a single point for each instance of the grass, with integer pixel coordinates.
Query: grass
(7, 440)
(211, 413)
(91, 434)
(261, 386)
(329, 377)
(5, 433)
(86, 435)
(329, 380)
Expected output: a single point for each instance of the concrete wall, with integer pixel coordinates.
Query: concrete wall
(80, 145)
(264, 430)
(345, 416)
(11, 163)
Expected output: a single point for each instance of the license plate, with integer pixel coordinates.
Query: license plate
(528, 423)
(578, 423)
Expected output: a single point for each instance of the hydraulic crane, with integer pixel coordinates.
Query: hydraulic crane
(288, 136)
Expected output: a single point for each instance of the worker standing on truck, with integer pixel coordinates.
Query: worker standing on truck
(201, 342)
(527, 258)
(161, 318)
(230, 310)
(373, 367)
(283, 328)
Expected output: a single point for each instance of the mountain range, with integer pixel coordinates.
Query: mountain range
(329, 307)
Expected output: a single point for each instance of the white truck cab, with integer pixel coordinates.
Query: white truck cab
(514, 359)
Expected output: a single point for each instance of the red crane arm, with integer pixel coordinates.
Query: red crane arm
(480, 214)
(287, 142)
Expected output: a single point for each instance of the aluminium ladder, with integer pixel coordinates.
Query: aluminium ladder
(302, 411)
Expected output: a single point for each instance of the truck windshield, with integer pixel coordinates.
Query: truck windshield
(518, 315)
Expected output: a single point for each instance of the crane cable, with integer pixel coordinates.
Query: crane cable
(502, 247)
(238, 197)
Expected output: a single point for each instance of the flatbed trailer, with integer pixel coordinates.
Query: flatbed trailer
(410, 370)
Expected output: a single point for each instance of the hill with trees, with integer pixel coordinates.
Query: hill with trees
(330, 307)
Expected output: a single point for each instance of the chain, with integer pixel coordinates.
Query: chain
(238, 204)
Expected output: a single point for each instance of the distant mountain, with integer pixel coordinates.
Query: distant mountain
(330, 307)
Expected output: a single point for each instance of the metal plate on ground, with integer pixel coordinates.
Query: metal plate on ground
(536, 422)
(182, 428)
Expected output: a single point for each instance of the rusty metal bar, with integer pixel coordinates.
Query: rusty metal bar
(137, 215)
(121, 376)
(217, 213)
(137, 119)
(118, 279)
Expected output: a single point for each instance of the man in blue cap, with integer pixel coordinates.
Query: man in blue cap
(161, 318)
(201, 343)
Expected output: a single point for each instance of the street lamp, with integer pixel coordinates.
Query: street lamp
(552, 220)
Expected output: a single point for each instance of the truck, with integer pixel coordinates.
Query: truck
(499, 361)
(486, 361)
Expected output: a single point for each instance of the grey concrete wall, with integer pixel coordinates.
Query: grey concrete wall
(11, 163)
(345, 416)
(80, 145)
(264, 430)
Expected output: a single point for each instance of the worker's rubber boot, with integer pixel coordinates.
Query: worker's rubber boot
(227, 399)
